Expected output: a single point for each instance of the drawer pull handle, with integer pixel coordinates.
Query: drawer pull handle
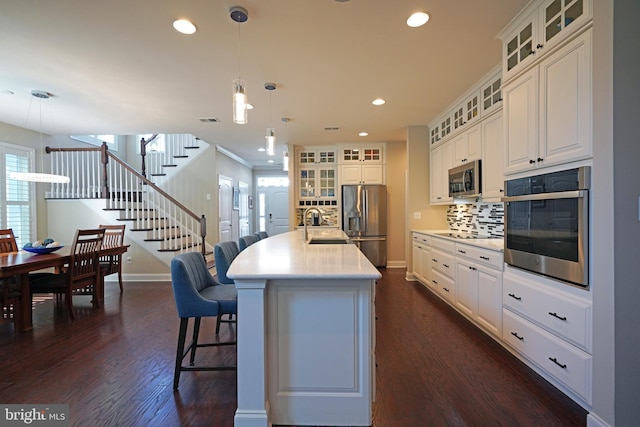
(472, 268)
(554, 360)
(461, 251)
(434, 260)
(445, 265)
(435, 281)
(515, 297)
(515, 334)
(564, 319)
(446, 289)
(486, 258)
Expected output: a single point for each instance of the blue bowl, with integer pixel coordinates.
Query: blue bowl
(43, 250)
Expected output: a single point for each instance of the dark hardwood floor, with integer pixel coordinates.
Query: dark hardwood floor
(114, 366)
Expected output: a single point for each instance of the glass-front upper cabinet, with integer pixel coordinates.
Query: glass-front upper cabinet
(466, 112)
(542, 25)
(492, 94)
(317, 156)
(559, 14)
(361, 154)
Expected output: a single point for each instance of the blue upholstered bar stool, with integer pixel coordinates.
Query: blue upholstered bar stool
(224, 254)
(246, 241)
(198, 295)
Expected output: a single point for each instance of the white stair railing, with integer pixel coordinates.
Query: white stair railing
(96, 173)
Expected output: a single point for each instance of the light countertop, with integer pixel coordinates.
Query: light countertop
(287, 256)
(495, 244)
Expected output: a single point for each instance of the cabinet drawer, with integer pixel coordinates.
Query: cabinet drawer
(442, 262)
(561, 360)
(443, 245)
(443, 285)
(564, 315)
(487, 257)
(422, 239)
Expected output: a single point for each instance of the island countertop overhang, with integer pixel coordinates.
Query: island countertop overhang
(287, 256)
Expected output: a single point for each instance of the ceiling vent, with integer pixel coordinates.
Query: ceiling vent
(332, 128)
(210, 120)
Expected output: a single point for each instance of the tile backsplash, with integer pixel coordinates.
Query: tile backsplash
(480, 218)
(330, 216)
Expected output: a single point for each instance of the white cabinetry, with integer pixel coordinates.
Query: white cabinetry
(492, 164)
(440, 161)
(467, 145)
(442, 269)
(540, 27)
(422, 258)
(362, 164)
(479, 286)
(548, 109)
(551, 327)
(316, 175)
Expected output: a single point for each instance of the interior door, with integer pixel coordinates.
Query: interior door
(225, 196)
(277, 204)
(243, 215)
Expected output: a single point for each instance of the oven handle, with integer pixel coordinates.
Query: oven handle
(578, 194)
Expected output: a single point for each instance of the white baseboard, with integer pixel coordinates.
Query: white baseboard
(396, 264)
(145, 277)
(595, 421)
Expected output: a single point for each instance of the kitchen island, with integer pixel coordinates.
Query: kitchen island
(306, 332)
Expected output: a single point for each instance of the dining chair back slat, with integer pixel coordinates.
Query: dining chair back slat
(112, 264)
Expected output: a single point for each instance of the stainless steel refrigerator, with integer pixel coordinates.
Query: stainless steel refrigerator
(364, 220)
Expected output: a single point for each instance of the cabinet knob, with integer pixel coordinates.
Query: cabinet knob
(539, 46)
(540, 159)
(531, 162)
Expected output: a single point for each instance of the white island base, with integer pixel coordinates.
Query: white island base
(305, 335)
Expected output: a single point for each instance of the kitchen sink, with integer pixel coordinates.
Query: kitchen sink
(328, 241)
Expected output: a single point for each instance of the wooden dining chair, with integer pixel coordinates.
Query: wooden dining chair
(10, 295)
(81, 276)
(112, 264)
(7, 241)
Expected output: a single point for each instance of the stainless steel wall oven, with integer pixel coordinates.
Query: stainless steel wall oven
(546, 224)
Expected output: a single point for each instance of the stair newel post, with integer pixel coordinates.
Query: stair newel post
(203, 232)
(143, 153)
(104, 159)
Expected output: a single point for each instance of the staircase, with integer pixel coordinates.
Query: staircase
(118, 193)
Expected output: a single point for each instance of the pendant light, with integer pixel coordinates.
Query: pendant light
(240, 116)
(285, 153)
(271, 132)
(33, 176)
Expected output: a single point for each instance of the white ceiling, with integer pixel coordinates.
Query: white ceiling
(119, 67)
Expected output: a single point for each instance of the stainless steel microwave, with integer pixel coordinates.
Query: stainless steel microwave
(464, 180)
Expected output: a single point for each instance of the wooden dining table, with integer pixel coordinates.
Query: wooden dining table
(20, 264)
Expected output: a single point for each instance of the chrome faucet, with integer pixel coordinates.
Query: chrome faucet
(304, 219)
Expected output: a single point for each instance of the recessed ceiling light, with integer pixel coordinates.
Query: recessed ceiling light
(184, 26)
(262, 149)
(363, 134)
(417, 19)
(378, 101)
(270, 161)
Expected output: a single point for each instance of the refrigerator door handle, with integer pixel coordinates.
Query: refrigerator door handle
(365, 210)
